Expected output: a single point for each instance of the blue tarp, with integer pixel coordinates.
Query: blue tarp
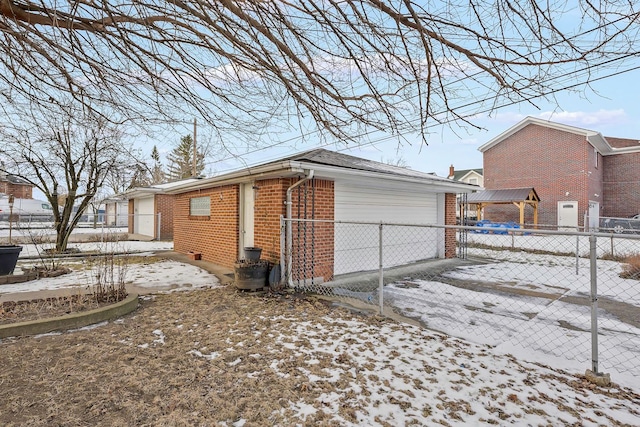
(496, 227)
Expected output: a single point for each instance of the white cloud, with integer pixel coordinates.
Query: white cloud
(593, 120)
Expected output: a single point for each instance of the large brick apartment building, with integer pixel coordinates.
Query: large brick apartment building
(567, 166)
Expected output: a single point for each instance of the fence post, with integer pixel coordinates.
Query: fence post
(577, 252)
(381, 271)
(594, 304)
(159, 237)
(282, 249)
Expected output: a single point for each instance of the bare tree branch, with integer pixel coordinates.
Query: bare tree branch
(67, 156)
(244, 65)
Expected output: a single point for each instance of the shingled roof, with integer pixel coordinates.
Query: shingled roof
(331, 158)
(507, 195)
(459, 174)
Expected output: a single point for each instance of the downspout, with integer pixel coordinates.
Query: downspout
(289, 243)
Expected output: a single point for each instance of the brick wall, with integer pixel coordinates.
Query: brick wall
(313, 244)
(20, 191)
(621, 185)
(268, 206)
(595, 178)
(450, 219)
(556, 163)
(131, 219)
(164, 205)
(215, 236)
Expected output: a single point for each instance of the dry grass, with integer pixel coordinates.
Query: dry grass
(631, 269)
(44, 308)
(121, 375)
(217, 356)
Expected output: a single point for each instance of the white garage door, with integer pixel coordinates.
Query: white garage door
(143, 216)
(357, 246)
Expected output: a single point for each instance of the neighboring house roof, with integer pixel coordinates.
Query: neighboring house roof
(461, 174)
(507, 195)
(115, 199)
(622, 142)
(599, 142)
(155, 188)
(325, 163)
(13, 179)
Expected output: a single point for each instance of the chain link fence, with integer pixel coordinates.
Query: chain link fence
(571, 295)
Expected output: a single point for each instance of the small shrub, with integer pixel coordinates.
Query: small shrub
(108, 237)
(610, 257)
(631, 270)
(109, 273)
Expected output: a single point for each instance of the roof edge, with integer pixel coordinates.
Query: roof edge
(595, 138)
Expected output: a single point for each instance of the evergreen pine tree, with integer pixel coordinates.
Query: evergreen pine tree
(157, 174)
(181, 160)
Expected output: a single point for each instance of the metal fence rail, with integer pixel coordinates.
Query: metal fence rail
(562, 294)
(145, 224)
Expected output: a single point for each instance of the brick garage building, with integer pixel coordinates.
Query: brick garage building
(573, 170)
(150, 210)
(219, 216)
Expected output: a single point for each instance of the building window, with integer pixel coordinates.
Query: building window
(200, 206)
(595, 153)
(473, 181)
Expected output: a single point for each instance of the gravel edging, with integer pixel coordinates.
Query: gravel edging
(70, 321)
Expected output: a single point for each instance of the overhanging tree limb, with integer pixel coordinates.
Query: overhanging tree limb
(246, 64)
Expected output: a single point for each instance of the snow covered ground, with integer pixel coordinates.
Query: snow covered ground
(606, 243)
(531, 328)
(161, 276)
(436, 380)
(535, 306)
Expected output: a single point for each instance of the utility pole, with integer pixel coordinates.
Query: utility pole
(195, 152)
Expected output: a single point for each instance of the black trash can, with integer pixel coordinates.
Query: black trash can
(8, 258)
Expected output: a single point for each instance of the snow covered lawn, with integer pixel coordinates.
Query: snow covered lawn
(535, 306)
(142, 276)
(222, 358)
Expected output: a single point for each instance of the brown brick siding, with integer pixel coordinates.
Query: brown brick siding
(20, 191)
(595, 188)
(268, 207)
(313, 244)
(215, 236)
(450, 219)
(621, 185)
(164, 205)
(559, 165)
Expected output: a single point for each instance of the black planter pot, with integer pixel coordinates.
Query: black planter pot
(8, 258)
(251, 275)
(251, 253)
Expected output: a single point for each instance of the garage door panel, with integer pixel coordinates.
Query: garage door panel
(144, 216)
(356, 246)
